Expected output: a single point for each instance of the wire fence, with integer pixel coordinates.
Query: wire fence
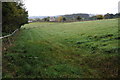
(9, 34)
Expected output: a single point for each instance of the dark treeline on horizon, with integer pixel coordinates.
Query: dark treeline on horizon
(73, 17)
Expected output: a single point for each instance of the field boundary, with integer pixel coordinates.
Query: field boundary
(9, 34)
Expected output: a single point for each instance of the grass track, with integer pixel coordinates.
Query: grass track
(70, 50)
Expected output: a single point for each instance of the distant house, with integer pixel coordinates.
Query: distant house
(30, 21)
(51, 19)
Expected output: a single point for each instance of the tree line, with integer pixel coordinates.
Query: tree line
(106, 16)
(14, 15)
(78, 18)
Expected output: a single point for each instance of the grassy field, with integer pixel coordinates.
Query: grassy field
(68, 50)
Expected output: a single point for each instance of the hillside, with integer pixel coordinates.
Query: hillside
(86, 49)
(74, 16)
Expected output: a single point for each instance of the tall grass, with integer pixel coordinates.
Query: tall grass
(67, 50)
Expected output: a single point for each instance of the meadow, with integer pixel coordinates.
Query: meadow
(86, 49)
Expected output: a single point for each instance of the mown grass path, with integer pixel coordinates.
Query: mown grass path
(68, 50)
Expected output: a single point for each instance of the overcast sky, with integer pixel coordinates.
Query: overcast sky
(61, 7)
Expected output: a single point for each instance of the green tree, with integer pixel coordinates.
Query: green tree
(99, 16)
(46, 19)
(117, 15)
(78, 18)
(64, 19)
(14, 16)
(108, 16)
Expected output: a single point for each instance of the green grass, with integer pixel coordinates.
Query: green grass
(67, 50)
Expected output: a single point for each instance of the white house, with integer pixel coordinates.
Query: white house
(51, 19)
